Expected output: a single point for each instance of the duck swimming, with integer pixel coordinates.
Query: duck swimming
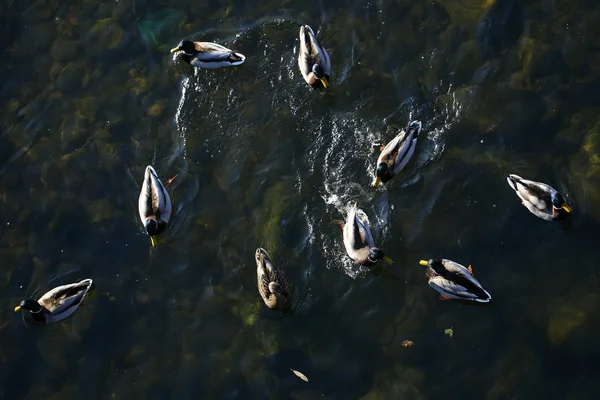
(313, 60)
(540, 199)
(154, 205)
(208, 55)
(358, 239)
(273, 286)
(454, 281)
(396, 154)
(58, 304)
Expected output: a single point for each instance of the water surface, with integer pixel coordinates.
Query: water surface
(91, 96)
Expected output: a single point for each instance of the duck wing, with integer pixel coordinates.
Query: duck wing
(64, 300)
(154, 199)
(400, 149)
(213, 52)
(311, 52)
(536, 193)
(461, 280)
(451, 289)
(364, 227)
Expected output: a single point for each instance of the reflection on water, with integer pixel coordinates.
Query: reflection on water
(92, 96)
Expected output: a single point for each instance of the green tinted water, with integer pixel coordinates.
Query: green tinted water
(91, 96)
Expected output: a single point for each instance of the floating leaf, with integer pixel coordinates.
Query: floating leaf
(407, 343)
(299, 375)
(449, 332)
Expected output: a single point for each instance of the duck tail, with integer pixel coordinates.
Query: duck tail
(512, 181)
(236, 58)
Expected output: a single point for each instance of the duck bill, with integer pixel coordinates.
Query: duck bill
(17, 308)
(154, 241)
(567, 208)
(388, 260)
(174, 49)
(424, 263)
(324, 82)
(376, 182)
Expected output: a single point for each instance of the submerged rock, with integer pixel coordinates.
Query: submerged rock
(516, 372)
(498, 26)
(63, 51)
(69, 79)
(585, 170)
(564, 320)
(106, 34)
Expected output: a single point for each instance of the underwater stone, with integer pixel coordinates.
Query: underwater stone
(538, 58)
(69, 79)
(39, 11)
(156, 109)
(464, 13)
(106, 34)
(564, 320)
(63, 51)
(515, 369)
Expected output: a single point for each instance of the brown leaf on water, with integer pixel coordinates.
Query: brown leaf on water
(407, 343)
(299, 375)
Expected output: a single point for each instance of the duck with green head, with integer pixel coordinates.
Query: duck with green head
(154, 205)
(396, 154)
(313, 59)
(358, 239)
(453, 281)
(58, 304)
(540, 199)
(208, 55)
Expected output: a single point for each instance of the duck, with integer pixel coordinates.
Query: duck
(453, 281)
(208, 55)
(358, 239)
(154, 205)
(540, 199)
(273, 286)
(313, 60)
(58, 304)
(396, 154)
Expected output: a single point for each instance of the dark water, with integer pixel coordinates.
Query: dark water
(91, 95)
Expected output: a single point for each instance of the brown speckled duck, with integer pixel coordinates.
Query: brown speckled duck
(273, 286)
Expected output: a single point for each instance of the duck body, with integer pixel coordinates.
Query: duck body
(454, 281)
(273, 286)
(313, 59)
(358, 239)
(58, 304)
(154, 204)
(397, 153)
(540, 199)
(208, 55)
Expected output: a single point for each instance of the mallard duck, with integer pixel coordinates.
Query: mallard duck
(154, 205)
(396, 154)
(358, 239)
(313, 59)
(57, 304)
(454, 281)
(542, 200)
(273, 286)
(208, 55)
